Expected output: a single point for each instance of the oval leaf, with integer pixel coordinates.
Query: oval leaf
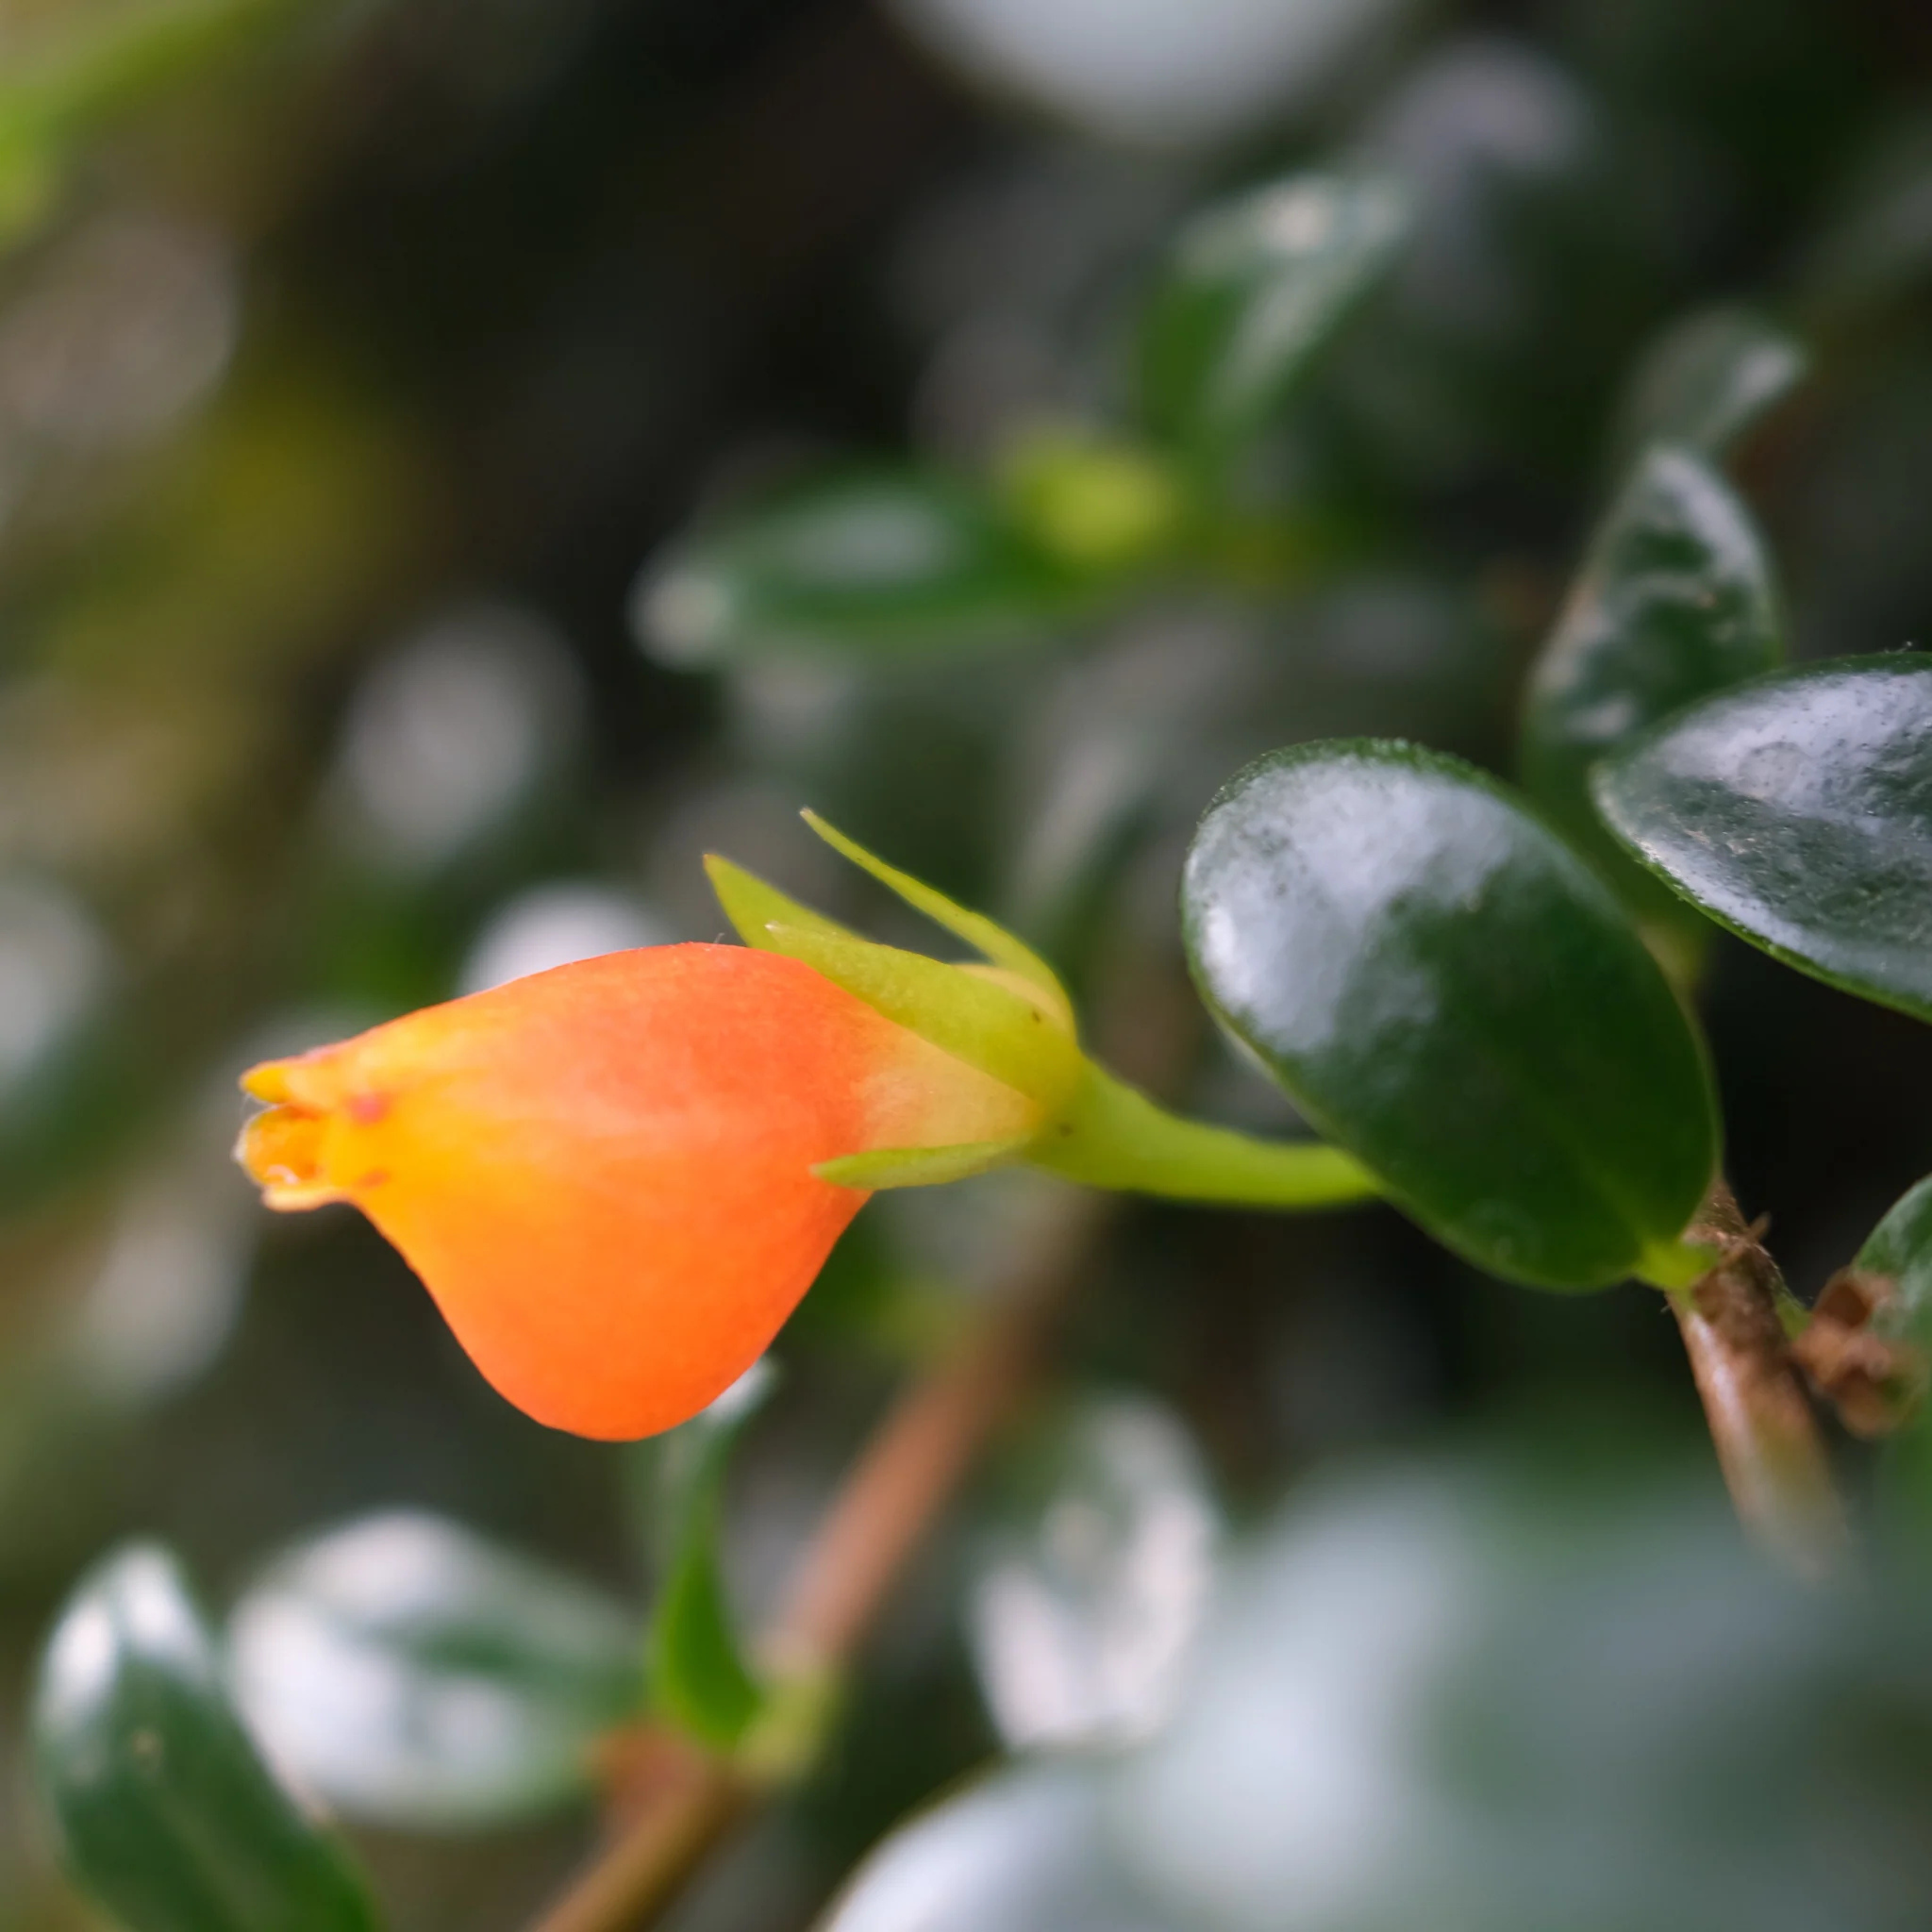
(1452, 995)
(414, 1674)
(1797, 811)
(1676, 600)
(164, 1810)
(1709, 378)
(1255, 290)
(889, 563)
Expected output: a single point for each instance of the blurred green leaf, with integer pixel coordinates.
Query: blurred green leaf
(1451, 995)
(1707, 380)
(1255, 290)
(412, 1672)
(1676, 600)
(164, 1810)
(1091, 1586)
(698, 1677)
(1025, 1850)
(893, 563)
(60, 86)
(1797, 811)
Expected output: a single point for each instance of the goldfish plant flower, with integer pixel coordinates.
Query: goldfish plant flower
(618, 1177)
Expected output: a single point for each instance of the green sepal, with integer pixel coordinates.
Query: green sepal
(754, 907)
(919, 1167)
(1112, 1136)
(991, 939)
(977, 1019)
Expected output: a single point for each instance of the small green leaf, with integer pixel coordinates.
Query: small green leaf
(412, 1672)
(1797, 811)
(894, 562)
(698, 1677)
(1709, 378)
(1255, 290)
(1676, 600)
(1449, 993)
(164, 1810)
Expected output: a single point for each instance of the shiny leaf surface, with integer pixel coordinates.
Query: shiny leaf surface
(1797, 811)
(1450, 994)
(1255, 290)
(412, 1672)
(1676, 600)
(162, 1807)
(891, 562)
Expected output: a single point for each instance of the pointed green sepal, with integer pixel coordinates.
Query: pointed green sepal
(754, 908)
(919, 1167)
(992, 940)
(973, 1018)
(1113, 1136)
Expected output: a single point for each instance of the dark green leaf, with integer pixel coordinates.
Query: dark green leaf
(891, 562)
(1708, 379)
(1797, 810)
(698, 1676)
(412, 1673)
(1255, 290)
(163, 1809)
(1676, 600)
(1453, 996)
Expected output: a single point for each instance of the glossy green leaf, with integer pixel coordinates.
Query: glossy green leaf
(1709, 378)
(1797, 811)
(412, 1672)
(1255, 290)
(1676, 600)
(1453, 996)
(699, 1678)
(162, 1808)
(893, 563)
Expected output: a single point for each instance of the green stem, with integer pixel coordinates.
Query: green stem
(1113, 1136)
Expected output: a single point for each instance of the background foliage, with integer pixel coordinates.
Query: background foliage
(459, 464)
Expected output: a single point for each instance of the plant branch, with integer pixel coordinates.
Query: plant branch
(889, 1504)
(1761, 1421)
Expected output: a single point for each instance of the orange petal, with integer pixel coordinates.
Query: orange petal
(603, 1173)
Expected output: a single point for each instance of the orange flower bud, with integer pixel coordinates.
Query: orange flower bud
(604, 1173)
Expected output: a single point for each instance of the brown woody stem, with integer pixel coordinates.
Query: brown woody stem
(1761, 1421)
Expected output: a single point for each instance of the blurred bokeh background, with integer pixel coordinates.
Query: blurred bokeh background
(365, 366)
